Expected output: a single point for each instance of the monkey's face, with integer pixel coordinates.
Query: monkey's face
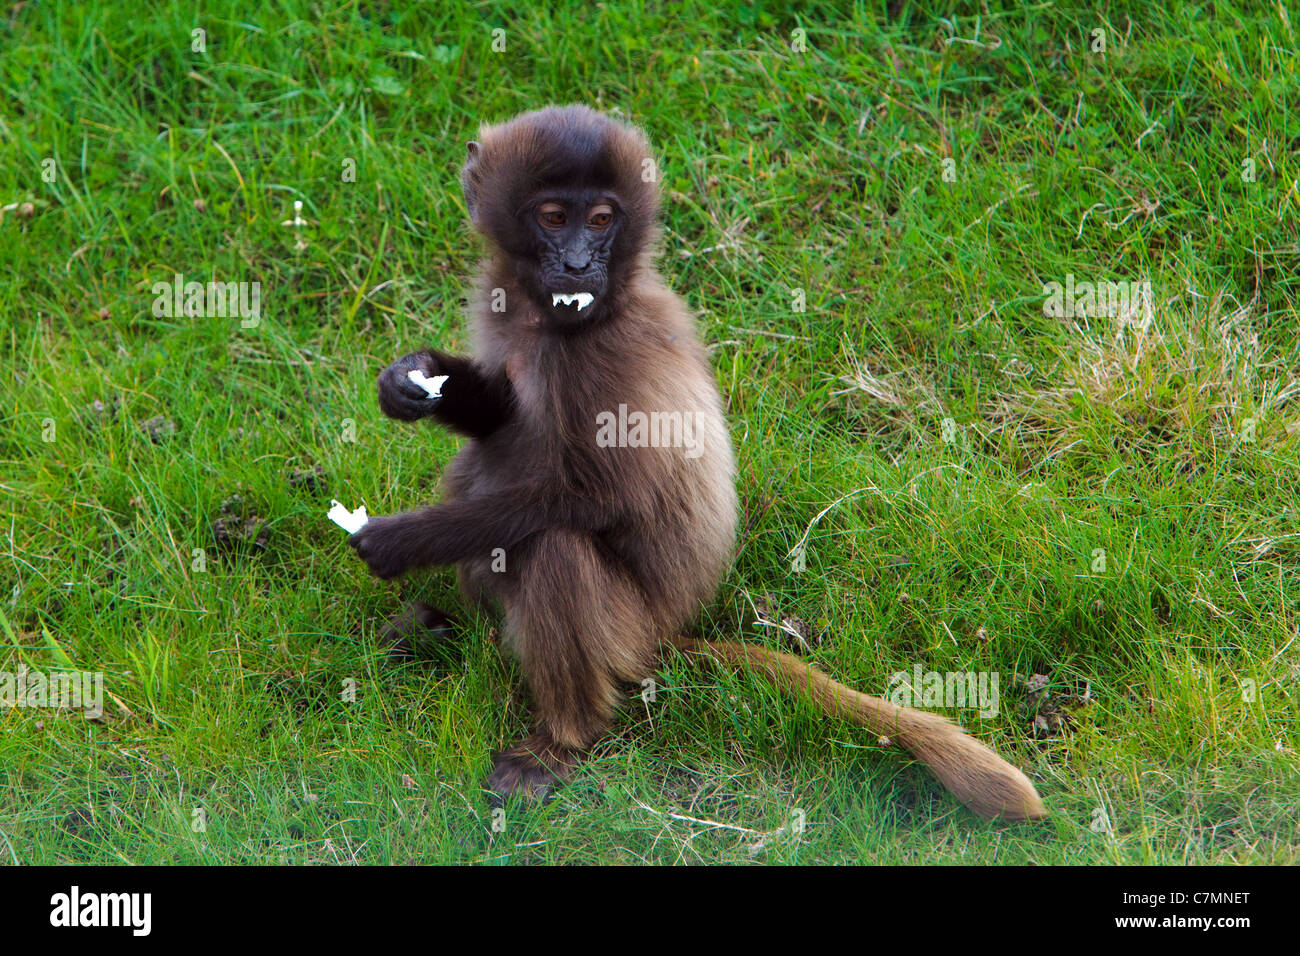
(575, 233)
(569, 197)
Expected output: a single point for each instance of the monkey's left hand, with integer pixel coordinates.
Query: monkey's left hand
(381, 543)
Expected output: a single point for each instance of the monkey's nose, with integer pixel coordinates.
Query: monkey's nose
(576, 264)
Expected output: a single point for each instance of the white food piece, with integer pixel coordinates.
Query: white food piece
(431, 385)
(583, 299)
(349, 521)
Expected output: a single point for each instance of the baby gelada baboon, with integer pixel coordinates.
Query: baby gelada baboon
(594, 502)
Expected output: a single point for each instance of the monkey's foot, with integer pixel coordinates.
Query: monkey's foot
(532, 768)
(419, 625)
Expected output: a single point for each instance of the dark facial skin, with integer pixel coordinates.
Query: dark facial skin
(573, 236)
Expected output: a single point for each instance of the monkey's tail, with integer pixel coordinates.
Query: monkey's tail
(976, 775)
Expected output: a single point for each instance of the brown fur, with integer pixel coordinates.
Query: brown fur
(975, 774)
(609, 551)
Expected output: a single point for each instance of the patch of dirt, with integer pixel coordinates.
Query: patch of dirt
(159, 428)
(1049, 706)
(304, 694)
(99, 413)
(239, 529)
(311, 480)
(795, 633)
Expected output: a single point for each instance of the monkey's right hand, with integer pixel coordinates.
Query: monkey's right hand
(401, 398)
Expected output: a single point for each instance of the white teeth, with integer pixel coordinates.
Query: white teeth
(583, 299)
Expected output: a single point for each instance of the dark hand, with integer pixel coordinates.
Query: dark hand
(401, 398)
(381, 544)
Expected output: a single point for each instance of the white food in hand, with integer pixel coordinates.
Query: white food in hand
(432, 385)
(349, 521)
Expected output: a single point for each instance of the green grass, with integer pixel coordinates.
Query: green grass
(1171, 446)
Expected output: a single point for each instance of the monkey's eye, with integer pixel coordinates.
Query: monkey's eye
(600, 216)
(551, 216)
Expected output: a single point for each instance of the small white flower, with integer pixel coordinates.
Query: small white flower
(297, 219)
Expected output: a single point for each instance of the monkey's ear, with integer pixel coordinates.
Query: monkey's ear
(469, 178)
